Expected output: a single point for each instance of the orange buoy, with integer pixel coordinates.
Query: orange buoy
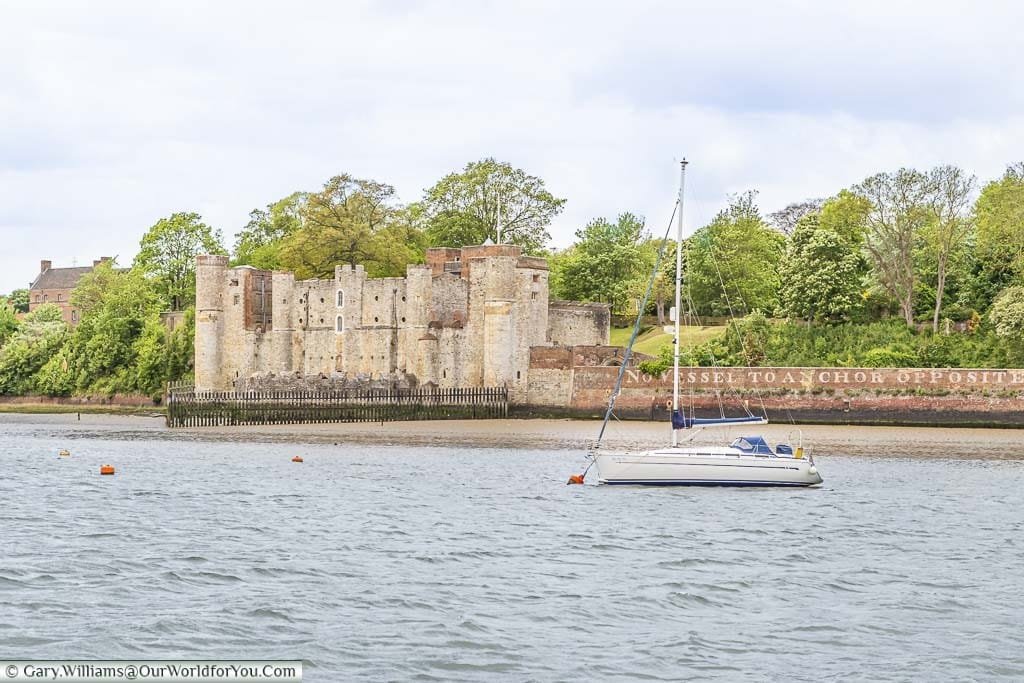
(575, 479)
(296, 459)
(106, 469)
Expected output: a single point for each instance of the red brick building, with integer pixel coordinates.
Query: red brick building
(54, 286)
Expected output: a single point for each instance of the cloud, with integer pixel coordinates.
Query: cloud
(115, 113)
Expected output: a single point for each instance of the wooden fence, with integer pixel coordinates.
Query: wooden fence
(189, 408)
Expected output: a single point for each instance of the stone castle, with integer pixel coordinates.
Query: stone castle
(469, 317)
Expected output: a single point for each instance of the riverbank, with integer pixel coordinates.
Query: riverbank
(571, 436)
(117, 405)
(51, 408)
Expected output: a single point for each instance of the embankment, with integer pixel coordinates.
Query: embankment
(563, 383)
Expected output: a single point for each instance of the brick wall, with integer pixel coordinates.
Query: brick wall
(579, 381)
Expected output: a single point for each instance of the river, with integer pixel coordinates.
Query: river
(444, 552)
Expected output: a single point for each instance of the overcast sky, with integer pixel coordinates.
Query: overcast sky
(114, 114)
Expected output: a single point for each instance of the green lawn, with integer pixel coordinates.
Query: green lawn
(651, 341)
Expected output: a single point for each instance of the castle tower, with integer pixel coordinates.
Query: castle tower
(282, 313)
(210, 272)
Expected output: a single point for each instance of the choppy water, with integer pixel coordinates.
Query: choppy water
(426, 563)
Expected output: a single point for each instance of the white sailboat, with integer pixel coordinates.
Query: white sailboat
(747, 461)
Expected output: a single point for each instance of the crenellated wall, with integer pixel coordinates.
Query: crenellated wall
(469, 317)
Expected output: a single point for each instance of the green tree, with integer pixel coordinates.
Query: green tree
(120, 325)
(39, 337)
(947, 232)
(467, 207)
(604, 263)
(168, 255)
(846, 214)
(351, 221)
(19, 299)
(1007, 314)
(663, 291)
(732, 263)
(999, 217)
(821, 274)
(8, 323)
(259, 241)
(899, 211)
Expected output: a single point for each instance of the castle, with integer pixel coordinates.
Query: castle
(467, 318)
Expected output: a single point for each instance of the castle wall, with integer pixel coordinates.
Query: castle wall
(467, 318)
(572, 323)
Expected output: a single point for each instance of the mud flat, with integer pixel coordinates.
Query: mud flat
(570, 435)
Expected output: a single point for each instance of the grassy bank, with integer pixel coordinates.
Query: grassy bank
(653, 339)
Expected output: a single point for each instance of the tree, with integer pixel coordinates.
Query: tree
(821, 274)
(466, 208)
(259, 241)
(168, 255)
(19, 300)
(353, 221)
(999, 217)
(899, 211)
(39, 337)
(120, 324)
(951, 191)
(1007, 314)
(664, 289)
(732, 263)
(787, 219)
(8, 323)
(604, 263)
(846, 214)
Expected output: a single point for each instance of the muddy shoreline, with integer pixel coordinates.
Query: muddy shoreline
(561, 434)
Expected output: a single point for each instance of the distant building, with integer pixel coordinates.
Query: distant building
(54, 286)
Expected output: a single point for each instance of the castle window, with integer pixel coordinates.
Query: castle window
(234, 283)
(403, 298)
(403, 320)
(339, 324)
(444, 374)
(300, 321)
(60, 297)
(236, 299)
(533, 295)
(74, 316)
(376, 298)
(341, 299)
(321, 321)
(284, 301)
(46, 297)
(536, 278)
(376, 320)
(518, 374)
(321, 299)
(301, 300)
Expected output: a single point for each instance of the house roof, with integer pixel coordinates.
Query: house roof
(60, 278)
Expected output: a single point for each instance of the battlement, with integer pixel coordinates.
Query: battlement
(468, 317)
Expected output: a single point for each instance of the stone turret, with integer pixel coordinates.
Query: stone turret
(282, 342)
(210, 271)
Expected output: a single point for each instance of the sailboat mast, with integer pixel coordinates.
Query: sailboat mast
(679, 288)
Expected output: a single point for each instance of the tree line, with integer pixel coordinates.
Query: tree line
(926, 248)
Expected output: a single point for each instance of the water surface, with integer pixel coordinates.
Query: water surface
(380, 561)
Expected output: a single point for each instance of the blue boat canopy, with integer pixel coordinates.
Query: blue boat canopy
(752, 444)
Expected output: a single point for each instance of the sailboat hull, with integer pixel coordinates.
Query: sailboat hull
(704, 467)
